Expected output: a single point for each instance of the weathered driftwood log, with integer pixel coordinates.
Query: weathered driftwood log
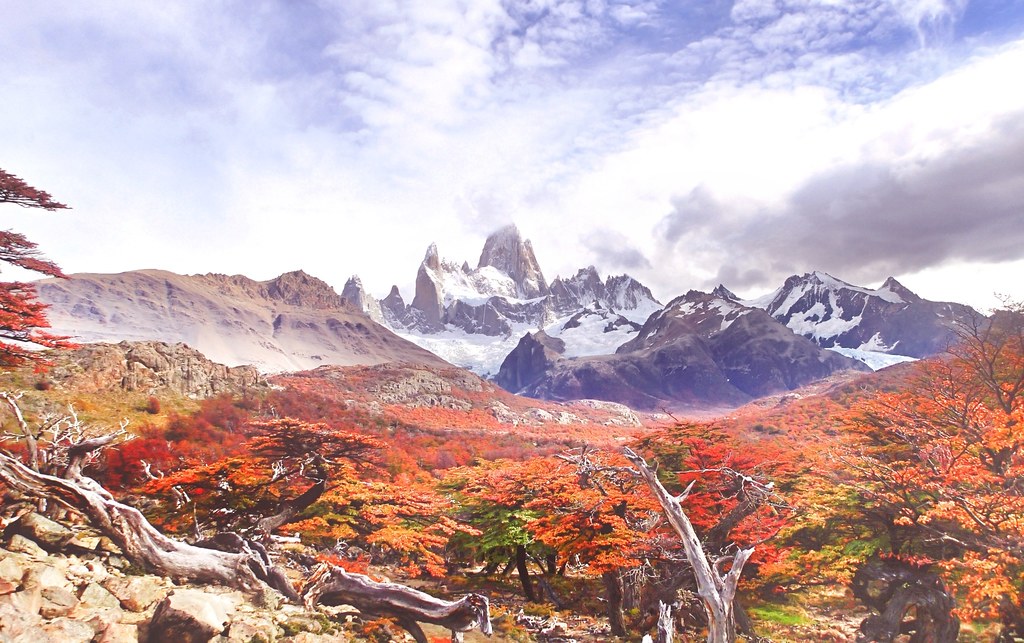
(666, 626)
(330, 585)
(715, 589)
(228, 559)
(141, 543)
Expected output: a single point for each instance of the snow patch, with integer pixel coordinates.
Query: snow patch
(875, 361)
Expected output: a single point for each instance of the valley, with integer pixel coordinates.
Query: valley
(440, 473)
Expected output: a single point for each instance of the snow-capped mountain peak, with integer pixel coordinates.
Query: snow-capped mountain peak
(836, 314)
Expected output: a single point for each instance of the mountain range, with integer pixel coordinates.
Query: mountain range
(575, 337)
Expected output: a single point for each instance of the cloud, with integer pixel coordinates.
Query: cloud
(868, 219)
(613, 250)
(343, 136)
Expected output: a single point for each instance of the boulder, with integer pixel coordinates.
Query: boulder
(12, 568)
(43, 531)
(23, 545)
(96, 597)
(120, 633)
(66, 630)
(190, 616)
(57, 602)
(136, 593)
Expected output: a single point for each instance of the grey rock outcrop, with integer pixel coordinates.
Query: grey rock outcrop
(152, 367)
(531, 360)
(356, 297)
(190, 616)
(428, 298)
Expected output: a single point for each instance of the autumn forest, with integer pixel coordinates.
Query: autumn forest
(885, 506)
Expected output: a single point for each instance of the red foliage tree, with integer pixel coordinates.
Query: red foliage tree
(940, 467)
(22, 315)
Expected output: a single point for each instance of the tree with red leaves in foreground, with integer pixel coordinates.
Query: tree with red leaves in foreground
(22, 315)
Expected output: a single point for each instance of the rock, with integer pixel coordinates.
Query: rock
(23, 545)
(120, 633)
(48, 574)
(190, 616)
(27, 601)
(57, 601)
(43, 531)
(85, 541)
(508, 252)
(136, 593)
(16, 622)
(7, 587)
(118, 562)
(108, 546)
(95, 597)
(66, 630)
(101, 619)
(246, 631)
(12, 568)
(531, 360)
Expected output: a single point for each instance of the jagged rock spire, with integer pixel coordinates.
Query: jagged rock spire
(506, 250)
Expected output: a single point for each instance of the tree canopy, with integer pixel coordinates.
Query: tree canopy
(22, 315)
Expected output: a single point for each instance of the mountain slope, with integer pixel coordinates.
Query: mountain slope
(292, 322)
(889, 319)
(700, 349)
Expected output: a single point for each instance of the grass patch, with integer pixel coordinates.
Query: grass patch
(779, 614)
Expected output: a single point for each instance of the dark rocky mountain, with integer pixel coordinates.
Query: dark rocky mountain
(889, 319)
(700, 349)
(292, 322)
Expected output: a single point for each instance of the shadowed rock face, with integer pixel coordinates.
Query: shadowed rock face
(700, 349)
(535, 355)
(889, 319)
(293, 322)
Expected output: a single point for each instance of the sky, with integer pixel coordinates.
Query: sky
(684, 143)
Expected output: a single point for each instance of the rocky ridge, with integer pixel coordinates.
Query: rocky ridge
(473, 317)
(292, 322)
(889, 319)
(150, 367)
(700, 349)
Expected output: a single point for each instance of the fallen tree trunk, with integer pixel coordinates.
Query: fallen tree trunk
(230, 560)
(141, 543)
(330, 585)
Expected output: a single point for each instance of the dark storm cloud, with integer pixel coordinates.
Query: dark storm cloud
(614, 251)
(864, 222)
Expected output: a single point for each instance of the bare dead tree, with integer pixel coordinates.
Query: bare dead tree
(715, 587)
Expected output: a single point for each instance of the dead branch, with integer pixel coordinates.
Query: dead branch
(330, 585)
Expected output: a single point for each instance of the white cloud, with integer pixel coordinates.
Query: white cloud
(344, 137)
